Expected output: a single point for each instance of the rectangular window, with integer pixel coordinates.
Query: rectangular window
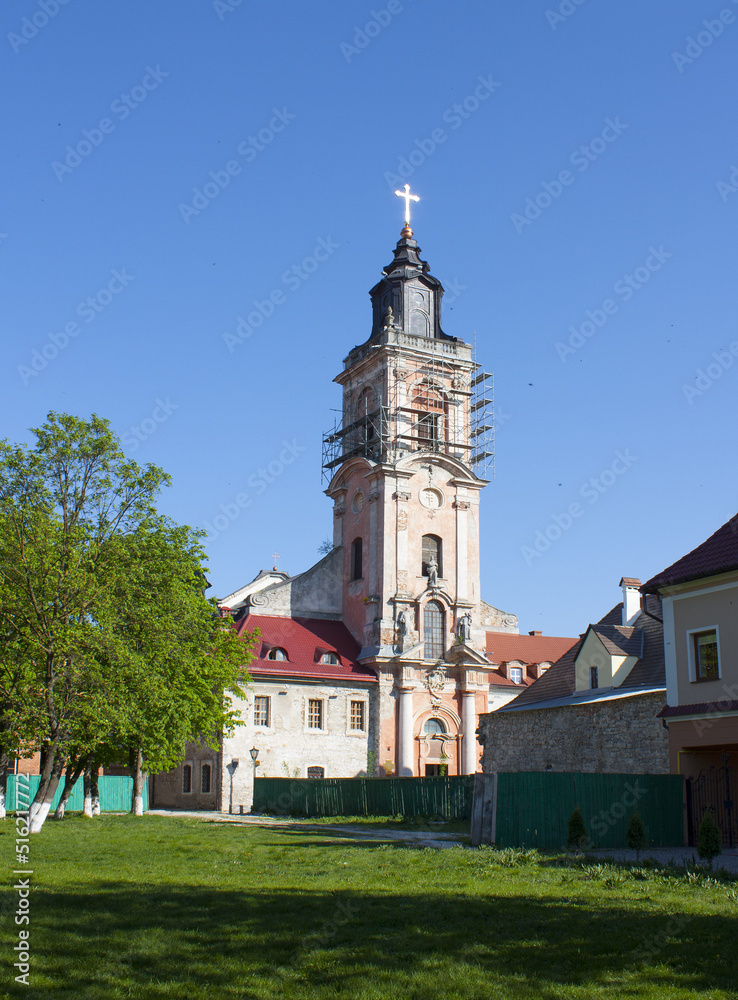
(357, 715)
(705, 655)
(315, 713)
(187, 779)
(594, 679)
(205, 779)
(516, 675)
(261, 710)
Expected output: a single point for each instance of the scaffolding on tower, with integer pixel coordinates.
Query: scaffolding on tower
(434, 403)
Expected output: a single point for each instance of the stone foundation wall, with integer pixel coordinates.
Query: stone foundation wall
(622, 736)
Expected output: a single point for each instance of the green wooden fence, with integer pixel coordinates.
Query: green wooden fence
(115, 793)
(533, 808)
(444, 797)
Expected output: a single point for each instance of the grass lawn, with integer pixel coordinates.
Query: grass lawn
(159, 907)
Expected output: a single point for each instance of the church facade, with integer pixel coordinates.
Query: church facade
(392, 618)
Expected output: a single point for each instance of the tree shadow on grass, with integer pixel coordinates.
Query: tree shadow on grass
(195, 941)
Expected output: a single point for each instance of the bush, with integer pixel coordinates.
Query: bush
(576, 831)
(710, 842)
(635, 835)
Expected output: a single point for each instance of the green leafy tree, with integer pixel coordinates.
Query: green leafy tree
(576, 831)
(635, 835)
(108, 641)
(710, 842)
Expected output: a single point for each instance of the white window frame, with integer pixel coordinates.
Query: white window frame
(691, 663)
(322, 727)
(350, 731)
(268, 723)
(516, 670)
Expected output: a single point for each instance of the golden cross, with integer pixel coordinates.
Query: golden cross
(275, 556)
(408, 198)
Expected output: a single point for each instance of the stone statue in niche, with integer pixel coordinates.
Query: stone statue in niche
(432, 573)
(401, 627)
(463, 628)
(389, 319)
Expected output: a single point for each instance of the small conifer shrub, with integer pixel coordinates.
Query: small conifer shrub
(710, 842)
(577, 831)
(635, 835)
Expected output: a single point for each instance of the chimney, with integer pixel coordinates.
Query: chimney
(631, 599)
(535, 633)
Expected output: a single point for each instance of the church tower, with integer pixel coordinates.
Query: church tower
(406, 519)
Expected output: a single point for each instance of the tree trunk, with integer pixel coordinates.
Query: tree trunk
(87, 782)
(137, 769)
(53, 765)
(4, 768)
(70, 780)
(95, 790)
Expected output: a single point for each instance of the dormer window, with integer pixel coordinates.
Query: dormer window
(277, 653)
(330, 658)
(516, 675)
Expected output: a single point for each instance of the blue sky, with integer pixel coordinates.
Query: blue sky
(223, 143)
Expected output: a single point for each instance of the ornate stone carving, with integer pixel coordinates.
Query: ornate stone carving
(434, 681)
(431, 499)
(402, 520)
(464, 627)
(402, 496)
(461, 505)
(373, 497)
(259, 600)
(357, 504)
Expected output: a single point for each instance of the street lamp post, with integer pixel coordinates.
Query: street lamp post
(255, 761)
(231, 768)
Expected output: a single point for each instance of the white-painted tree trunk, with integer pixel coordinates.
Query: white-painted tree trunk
(2, 801)
(95, 805)
(60, 810)
(138, 805)
(37, 813)
(87, 806)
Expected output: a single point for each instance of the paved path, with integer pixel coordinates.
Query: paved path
(420, 838)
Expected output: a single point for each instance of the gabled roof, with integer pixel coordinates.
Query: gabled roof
(305, 640)
(719, 554)
(559, 681)
(502, 647)
(620, 640)
(507, 647)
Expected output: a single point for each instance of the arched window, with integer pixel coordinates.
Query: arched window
(433, 636)
(434, 727)
(329, 658)
(432, 548)
(205, 779)
(356, 568)
(277, 654)
(428, 418)
(365, 408)
(187, 779)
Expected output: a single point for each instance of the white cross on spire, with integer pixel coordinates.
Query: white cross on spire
(408, 198)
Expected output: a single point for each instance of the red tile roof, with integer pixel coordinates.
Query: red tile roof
(703, 708)
(305, 640)
(505, 646)
(719, 554)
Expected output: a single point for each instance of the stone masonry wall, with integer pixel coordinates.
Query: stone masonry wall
(621, 736)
